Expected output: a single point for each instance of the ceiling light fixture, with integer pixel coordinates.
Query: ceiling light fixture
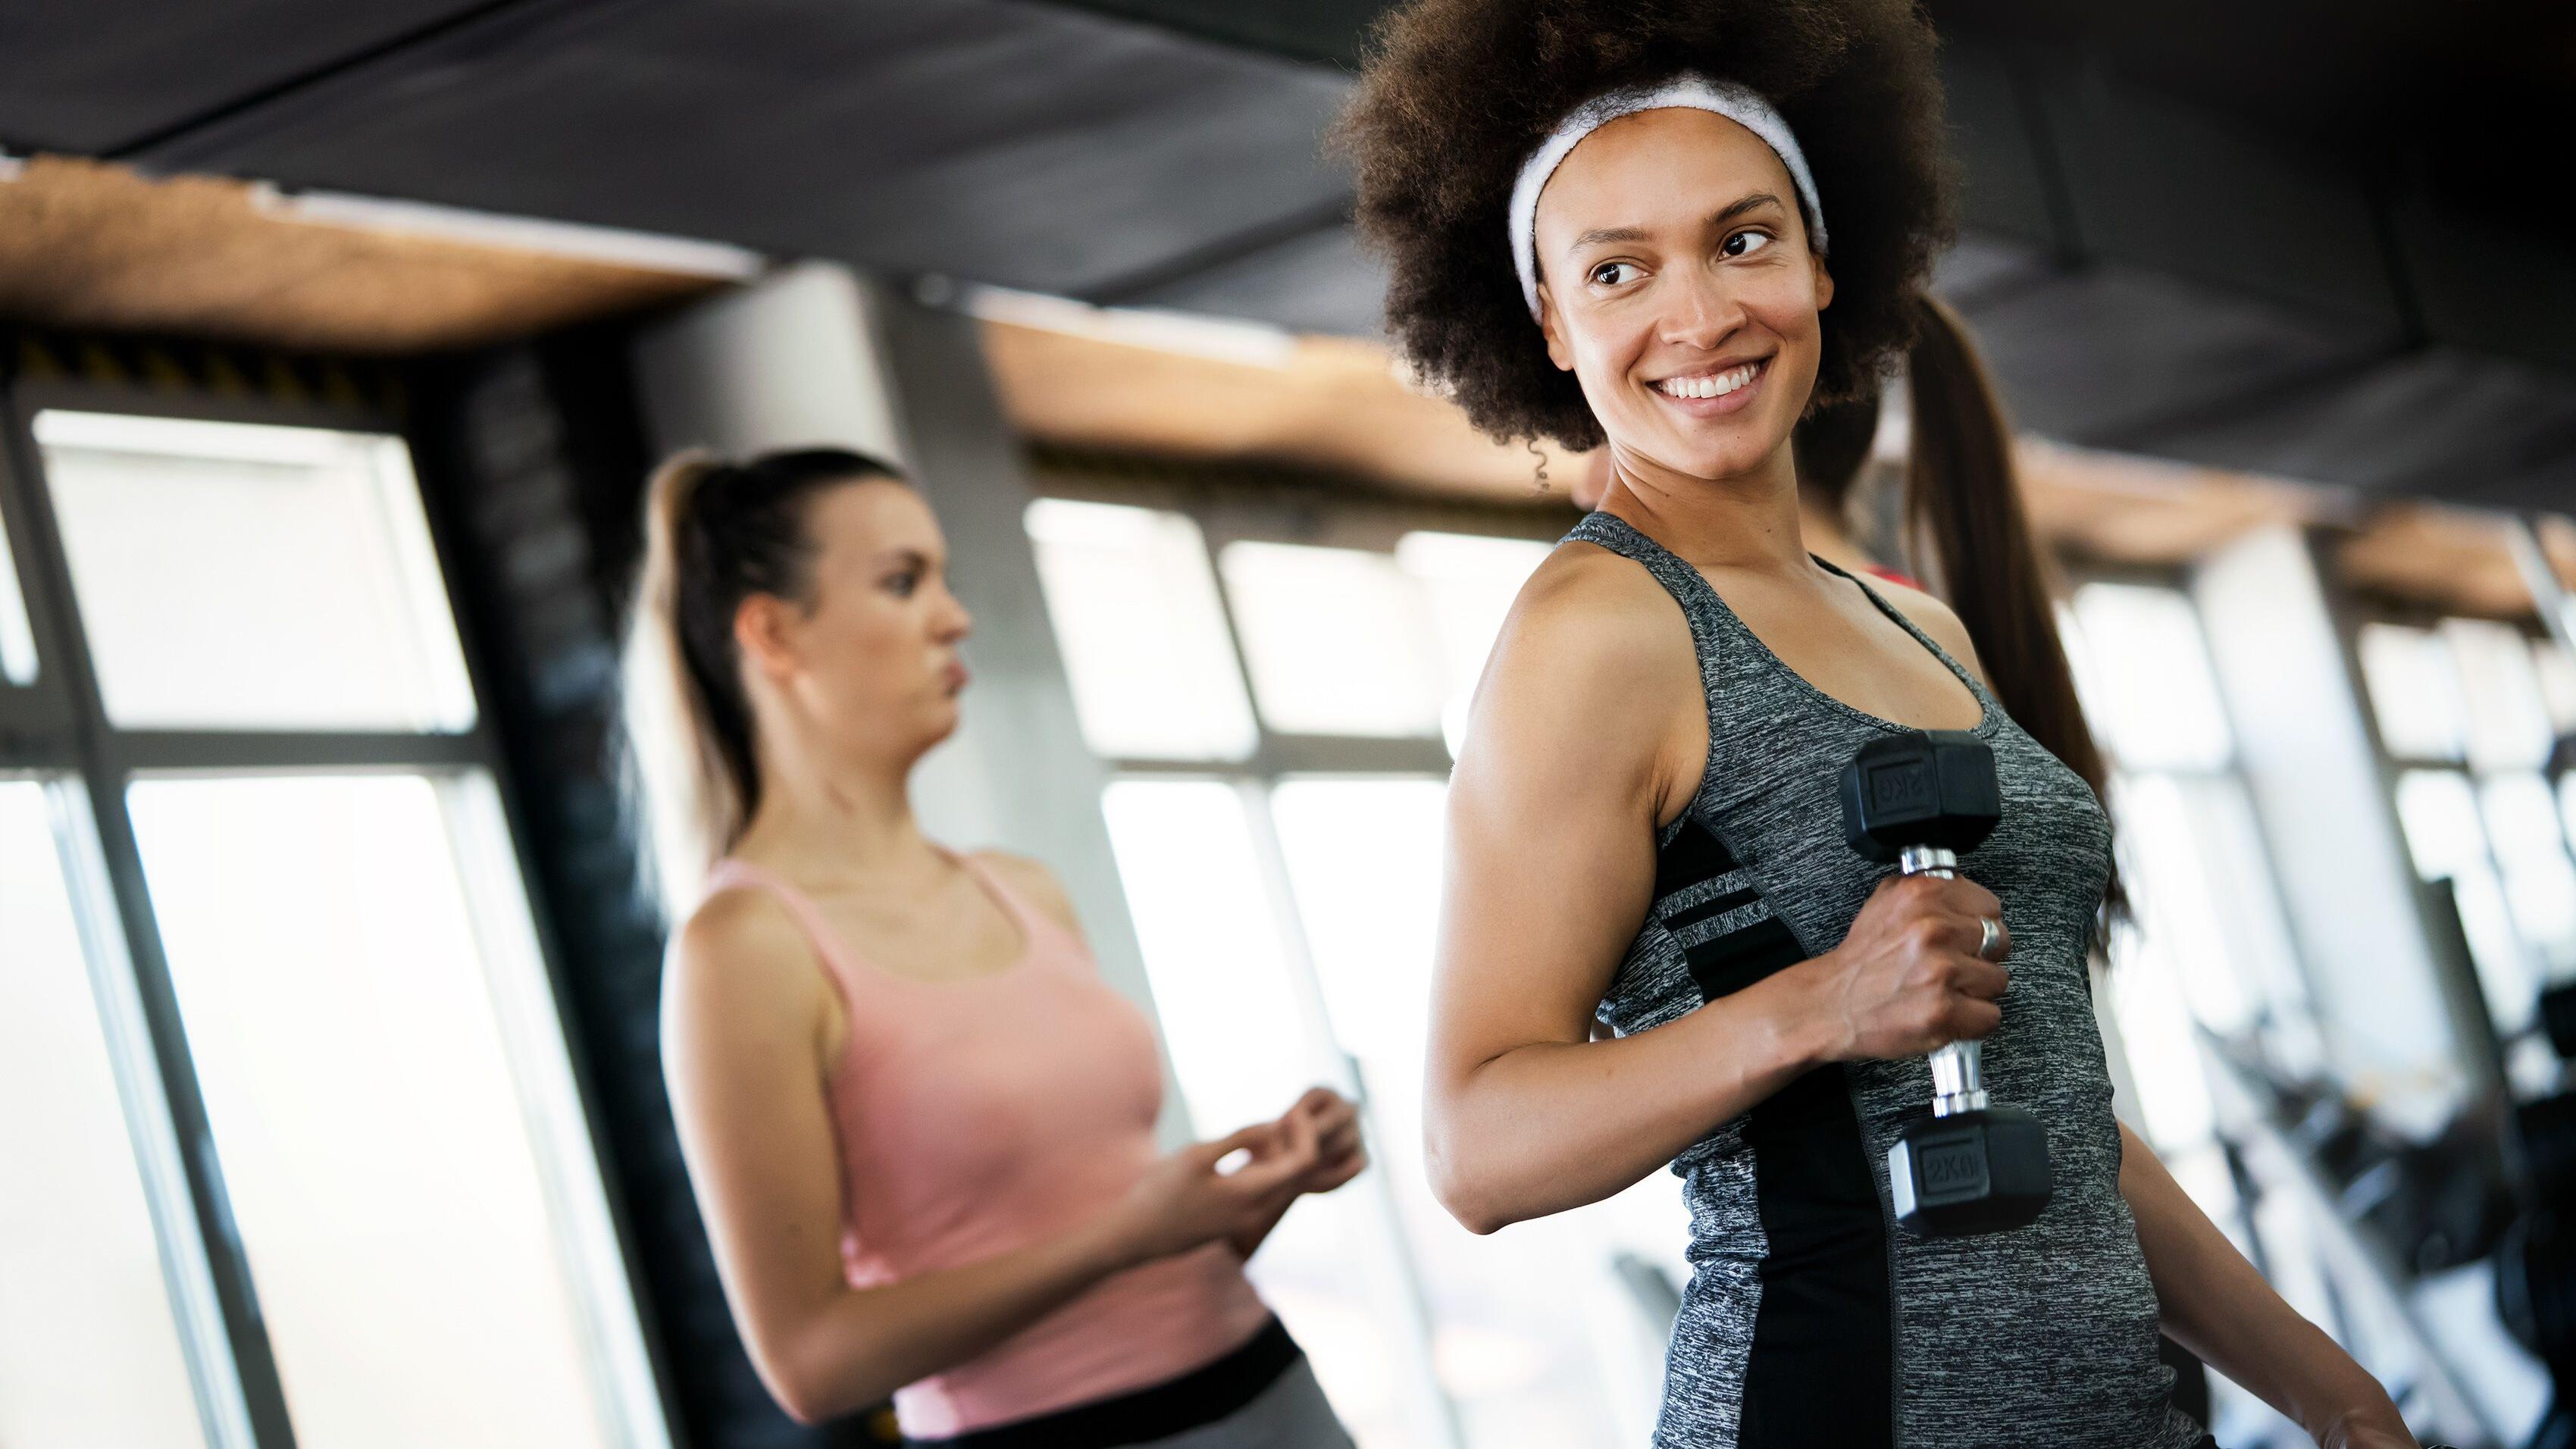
(1218, 339)
(608, 246)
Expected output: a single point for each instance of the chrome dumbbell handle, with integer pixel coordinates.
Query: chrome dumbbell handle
(1958, 1085)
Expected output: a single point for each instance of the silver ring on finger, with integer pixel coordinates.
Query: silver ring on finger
(1990, 935)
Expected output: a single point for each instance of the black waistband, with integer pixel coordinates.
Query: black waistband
(1158, 1411)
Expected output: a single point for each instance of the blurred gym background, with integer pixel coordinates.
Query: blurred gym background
(335, 341)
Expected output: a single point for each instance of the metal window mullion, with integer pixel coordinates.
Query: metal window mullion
(522, 993)
(34, 750)
(186, 1273)
(2470, 1021)
(283, 752)
(1309, 989)
(2550, 597)
(262, 1393)
(1213, 545)
(2316, 985)
(45, 571)
(35, 718)
(1414, 1303)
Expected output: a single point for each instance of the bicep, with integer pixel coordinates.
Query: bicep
(742, 1024)
(1551, 839)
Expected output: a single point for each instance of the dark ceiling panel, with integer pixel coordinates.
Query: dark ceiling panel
(1983, 268)
(1320, 282)
(2115, 356)
(2003, 186)
(2509, 289)
(2400, 85)
(1325, 31)
(2439, 423)
(2173, 187)
(2119, 358)
(91, 76)
(1001, 142)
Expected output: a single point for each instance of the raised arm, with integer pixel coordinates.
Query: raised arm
(747, 1028)
(1588, 731)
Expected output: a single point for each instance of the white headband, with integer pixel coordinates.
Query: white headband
(1691, 92)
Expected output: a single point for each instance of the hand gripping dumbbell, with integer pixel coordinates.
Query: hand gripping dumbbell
(1918, 799)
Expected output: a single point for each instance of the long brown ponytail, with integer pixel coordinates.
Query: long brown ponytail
(715, 533)
(1963, 500)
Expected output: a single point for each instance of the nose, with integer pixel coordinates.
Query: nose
(953, 621)
(1705, 312)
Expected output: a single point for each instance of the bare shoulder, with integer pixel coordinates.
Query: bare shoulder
(1593, 684)
(1035, 882)
(1588, 610)
(741, 953)
(1934, 618)
(733, 925)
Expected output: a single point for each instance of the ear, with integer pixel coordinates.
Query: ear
(764, 632)
(1824, 281)
(1559, 351)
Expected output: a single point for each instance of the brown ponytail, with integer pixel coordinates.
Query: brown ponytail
(1831, 445)
(715, 533)
(1963, 500)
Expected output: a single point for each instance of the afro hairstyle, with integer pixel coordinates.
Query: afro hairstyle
(1455, 94)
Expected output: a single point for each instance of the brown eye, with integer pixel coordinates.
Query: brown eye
(1612, 274)
(1745, 243)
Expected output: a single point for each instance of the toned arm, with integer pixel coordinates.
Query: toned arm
(1587, 731)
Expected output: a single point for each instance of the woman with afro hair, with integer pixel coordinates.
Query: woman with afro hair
(1673, 227)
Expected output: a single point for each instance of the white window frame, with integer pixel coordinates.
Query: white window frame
(55, 728)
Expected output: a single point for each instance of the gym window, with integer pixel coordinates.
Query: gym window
(1276, 676)
(2468, 710)
(283, 1039)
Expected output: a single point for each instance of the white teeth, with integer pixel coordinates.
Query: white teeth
(1717, 384)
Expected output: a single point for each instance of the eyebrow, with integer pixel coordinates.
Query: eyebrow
(1720, 217)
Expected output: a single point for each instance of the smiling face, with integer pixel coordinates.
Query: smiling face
(1677, 285)
(870, 658)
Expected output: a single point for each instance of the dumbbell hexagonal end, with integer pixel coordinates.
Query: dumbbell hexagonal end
(1970, 1172)
(1921, 787)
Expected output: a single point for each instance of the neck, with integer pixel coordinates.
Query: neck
(826, 816)
(1749, 520)
(1827, 539)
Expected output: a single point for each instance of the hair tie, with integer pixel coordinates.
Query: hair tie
(1687, 91)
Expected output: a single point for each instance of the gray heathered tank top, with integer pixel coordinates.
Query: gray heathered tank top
(1811, 1318)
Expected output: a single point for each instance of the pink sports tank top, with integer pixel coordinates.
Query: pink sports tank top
(978, 1116)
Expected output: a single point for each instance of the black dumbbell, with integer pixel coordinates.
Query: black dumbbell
(1917, 800)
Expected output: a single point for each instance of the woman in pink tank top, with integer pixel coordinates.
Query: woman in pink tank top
(920, 1127)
